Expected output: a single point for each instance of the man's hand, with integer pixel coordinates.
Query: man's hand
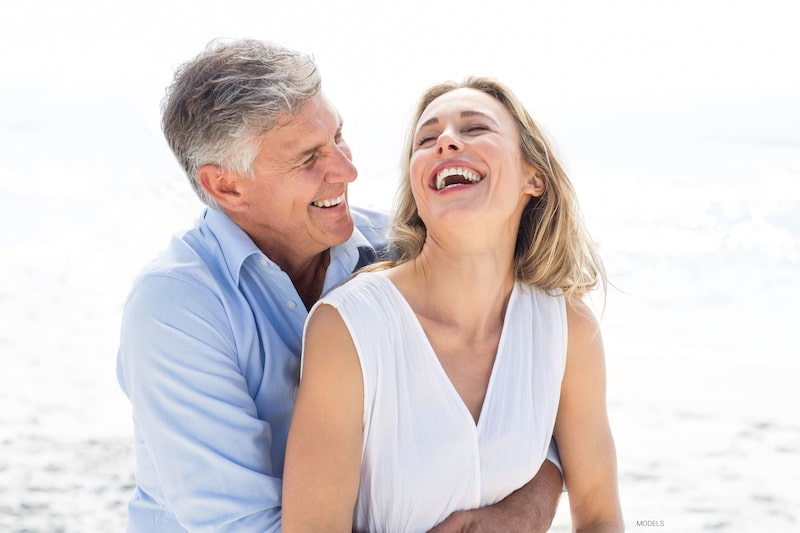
(529, 509)
(467, 522)
(458, 522)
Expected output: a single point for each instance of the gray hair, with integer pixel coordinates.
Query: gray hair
(226, 97)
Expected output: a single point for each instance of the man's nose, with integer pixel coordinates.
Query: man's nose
(342, 168)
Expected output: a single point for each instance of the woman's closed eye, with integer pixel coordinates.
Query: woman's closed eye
(422, 141)
(472, 129)
(476, 128)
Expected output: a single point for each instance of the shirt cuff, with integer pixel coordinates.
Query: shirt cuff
(553, 457)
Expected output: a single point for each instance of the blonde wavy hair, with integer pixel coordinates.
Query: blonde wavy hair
(553, 250)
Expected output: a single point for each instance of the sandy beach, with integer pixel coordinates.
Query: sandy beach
(702, 378)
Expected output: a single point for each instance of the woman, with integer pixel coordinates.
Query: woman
(434, 384)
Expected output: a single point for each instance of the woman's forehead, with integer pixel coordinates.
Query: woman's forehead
(464, 101)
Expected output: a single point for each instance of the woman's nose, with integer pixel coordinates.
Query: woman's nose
(447, 142)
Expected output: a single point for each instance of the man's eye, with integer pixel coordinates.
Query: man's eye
(309, 161)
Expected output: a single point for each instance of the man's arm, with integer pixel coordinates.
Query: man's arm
(530, 508)
(204, 453)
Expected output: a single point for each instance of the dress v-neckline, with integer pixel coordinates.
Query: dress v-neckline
(431, 353)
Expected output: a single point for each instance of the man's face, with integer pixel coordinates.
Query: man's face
(296, 206)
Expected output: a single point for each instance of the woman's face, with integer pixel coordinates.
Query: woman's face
(466, 163)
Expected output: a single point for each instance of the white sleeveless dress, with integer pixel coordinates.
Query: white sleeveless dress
(423, 456)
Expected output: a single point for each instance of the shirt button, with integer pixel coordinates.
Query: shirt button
(263, 262)
(290, 304)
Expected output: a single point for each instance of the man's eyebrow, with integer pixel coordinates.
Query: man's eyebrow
(305, 154)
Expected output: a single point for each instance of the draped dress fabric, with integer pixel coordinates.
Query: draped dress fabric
(423, 455)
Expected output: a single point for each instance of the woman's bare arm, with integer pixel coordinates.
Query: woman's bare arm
(323, 453)
(582, 430)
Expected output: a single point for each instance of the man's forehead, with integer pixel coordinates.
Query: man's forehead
(316, 122)
(298, 137)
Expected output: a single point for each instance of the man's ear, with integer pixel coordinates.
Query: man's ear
(222, 186)
(535, 186)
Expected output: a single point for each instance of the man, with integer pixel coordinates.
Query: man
(211, 333)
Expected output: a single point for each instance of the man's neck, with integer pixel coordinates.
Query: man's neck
(309, 279)
(307, 273)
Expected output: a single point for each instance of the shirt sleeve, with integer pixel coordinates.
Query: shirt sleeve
(192, 410)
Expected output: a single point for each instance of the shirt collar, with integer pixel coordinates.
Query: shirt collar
(347, 253)
(237, 246)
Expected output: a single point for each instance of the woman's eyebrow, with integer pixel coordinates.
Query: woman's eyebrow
(470, 114)
(463, 114)
(434, 120)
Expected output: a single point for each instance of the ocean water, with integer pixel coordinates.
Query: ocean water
(695, 208)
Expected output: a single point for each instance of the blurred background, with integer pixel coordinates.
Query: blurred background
(678, 122)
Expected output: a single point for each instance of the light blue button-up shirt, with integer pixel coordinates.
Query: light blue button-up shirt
(209, 356)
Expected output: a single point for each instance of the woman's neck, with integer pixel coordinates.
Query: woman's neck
(468, 291)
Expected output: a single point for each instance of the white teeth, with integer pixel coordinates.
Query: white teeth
(468, 174)
(329, 203)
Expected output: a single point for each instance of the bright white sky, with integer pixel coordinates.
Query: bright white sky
(568, 60)
(612, 46)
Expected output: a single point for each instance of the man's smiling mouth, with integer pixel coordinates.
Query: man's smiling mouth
(329, 203)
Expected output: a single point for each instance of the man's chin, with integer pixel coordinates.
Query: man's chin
(345, 236)
(337, 232)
